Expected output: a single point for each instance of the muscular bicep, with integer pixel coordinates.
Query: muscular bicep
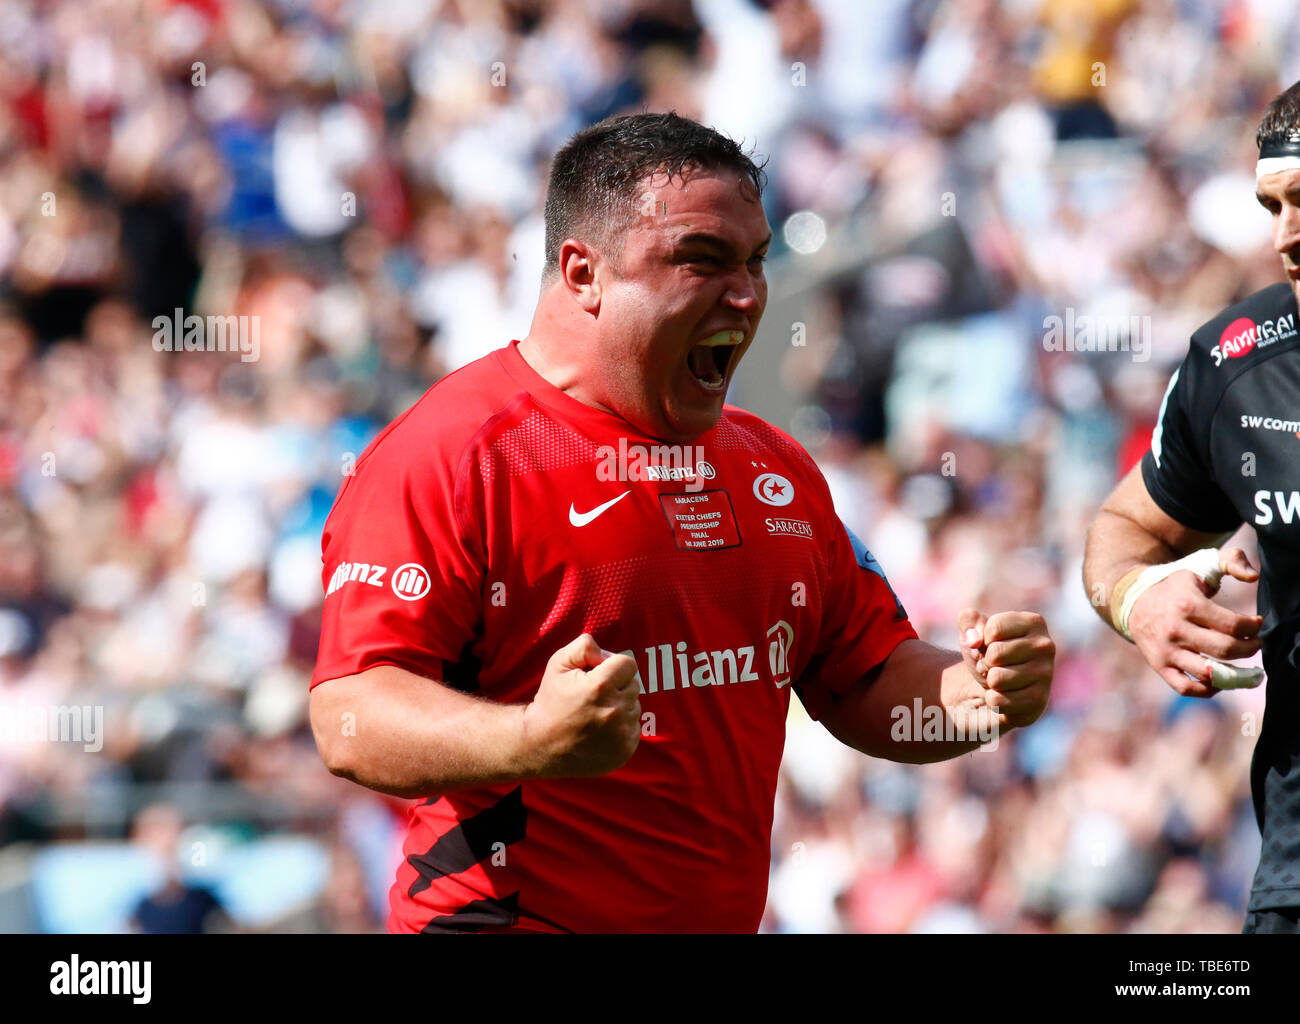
(408, 735)
(355, 707)
(844, 713)
(866, 716)
(1132, 502)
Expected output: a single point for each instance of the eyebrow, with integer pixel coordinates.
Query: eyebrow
(1289, 193)
(715, 241)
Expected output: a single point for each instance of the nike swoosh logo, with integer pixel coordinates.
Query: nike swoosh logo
(583, 518)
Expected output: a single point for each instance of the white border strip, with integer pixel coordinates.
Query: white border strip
(1275, 164)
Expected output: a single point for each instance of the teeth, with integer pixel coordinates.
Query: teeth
(704, 368)
(724, 338)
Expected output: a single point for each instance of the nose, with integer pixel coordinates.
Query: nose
(746, 291)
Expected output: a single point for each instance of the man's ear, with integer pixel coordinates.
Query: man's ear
(578, 263)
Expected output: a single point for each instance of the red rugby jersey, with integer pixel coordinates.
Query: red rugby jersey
(486, 528)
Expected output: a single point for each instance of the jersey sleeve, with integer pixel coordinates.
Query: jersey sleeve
(402, 571)
(863, 621)
(1177, 469)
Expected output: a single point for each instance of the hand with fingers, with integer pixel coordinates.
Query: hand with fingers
(585, 718)
(1009, 658)
(1179, 628)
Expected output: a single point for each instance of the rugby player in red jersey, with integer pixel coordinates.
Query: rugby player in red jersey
(570, 591)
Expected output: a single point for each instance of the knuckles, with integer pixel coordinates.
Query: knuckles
(1014, 625)
(1040, 644)
(1034, 673)
(1219, 647)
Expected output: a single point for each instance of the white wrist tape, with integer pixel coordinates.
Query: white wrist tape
(1205, 565)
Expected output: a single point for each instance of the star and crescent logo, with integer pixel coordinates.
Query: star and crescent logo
(773, 489)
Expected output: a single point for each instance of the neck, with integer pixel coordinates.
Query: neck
(558, 345)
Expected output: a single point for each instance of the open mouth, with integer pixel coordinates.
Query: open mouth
(708, 361)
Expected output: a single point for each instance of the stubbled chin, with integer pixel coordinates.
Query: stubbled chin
(701, 416)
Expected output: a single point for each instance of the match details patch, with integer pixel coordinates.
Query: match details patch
(701, 521)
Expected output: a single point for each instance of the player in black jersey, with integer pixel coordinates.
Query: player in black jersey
(1226, 450)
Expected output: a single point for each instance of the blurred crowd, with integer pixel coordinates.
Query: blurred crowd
(366, 178)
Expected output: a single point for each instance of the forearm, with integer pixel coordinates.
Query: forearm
(399, 733)
(880, 718)
(1117, 546)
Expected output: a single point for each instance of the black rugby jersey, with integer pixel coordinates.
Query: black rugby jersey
(1226, 450)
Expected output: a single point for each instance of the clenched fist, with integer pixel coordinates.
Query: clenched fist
(1010, 658)
(586, 717)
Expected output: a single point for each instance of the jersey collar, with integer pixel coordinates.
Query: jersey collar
(593, 420)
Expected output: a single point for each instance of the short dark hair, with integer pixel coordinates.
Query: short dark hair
(1281, 120)
(595, 177)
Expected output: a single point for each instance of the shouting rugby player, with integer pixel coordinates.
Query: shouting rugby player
(570, 592)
